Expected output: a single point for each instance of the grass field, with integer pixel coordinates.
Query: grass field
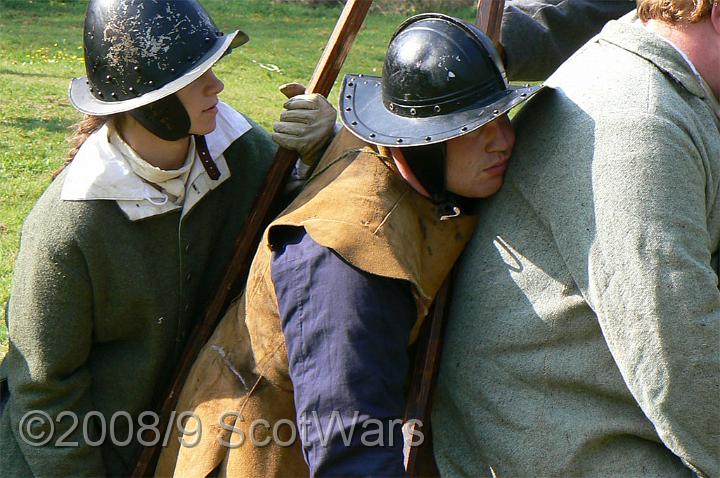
(40, 50)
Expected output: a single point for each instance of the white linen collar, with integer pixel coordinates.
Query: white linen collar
(99, 171)
(170, 181)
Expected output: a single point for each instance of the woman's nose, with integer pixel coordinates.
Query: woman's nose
(503, 136)
(215, 85)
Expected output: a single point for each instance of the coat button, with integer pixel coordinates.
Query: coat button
(188, 276)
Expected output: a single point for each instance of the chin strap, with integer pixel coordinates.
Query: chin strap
(205, 158)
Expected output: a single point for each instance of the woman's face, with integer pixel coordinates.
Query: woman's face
(477, 161)
(200, 100)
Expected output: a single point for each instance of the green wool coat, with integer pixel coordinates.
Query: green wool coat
(101, 307)
(584, 335)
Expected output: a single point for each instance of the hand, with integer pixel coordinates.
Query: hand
(306, 125)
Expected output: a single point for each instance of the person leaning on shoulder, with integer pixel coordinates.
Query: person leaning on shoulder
(122, 250)
(584, 336)
(345, 275)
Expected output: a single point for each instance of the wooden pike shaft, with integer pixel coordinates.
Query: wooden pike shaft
(489, 17)
(338, 47)
(323, 78)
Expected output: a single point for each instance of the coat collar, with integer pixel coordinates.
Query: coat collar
(100, 172)
(630, 34)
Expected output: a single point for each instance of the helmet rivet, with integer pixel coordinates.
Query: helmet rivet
(349, 97)
(354, 123)
(207, 39)
(527, 85)
(413, 112)
(523, 95)
(496, 112)
(348, 109)
(91, 90)
(108, 77)
(464, 128)
(131, 89)
(391, 106)
(351, 84)
(361, 75)
(100, 94)
(428, 138)
(150, 82)
(172, 70)
(399, 140)
(437, 109)
(136, 68)
(87, 82)
(372, 135)
(189, 58)
(113, 94)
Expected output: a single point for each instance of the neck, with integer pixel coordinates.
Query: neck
(167, 155)
(693, 39)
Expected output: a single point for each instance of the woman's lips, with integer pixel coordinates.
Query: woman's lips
(498, 168)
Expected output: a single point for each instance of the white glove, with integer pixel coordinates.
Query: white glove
(306, 126)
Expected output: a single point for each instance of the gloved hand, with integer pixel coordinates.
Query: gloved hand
(306, 125)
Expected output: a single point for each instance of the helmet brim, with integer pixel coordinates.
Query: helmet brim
(83, 100)
(363, 113)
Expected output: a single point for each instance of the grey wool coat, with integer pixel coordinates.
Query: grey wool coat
(584, 335)
(100, 309)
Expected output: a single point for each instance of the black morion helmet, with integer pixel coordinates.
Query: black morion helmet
(442, 78)
(138, 53)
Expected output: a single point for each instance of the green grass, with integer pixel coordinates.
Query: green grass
(40, 50)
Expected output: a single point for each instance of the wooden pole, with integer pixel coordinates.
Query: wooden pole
(326, 72)
(419, 461)
(489, 17)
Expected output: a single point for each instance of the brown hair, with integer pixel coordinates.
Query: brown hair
(80, 133)
(674, 11)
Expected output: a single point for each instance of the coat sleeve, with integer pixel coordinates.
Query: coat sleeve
(50, 329)
(646, 271)
(539, 35)
(346, 333)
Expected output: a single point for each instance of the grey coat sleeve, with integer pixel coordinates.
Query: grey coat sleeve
(647, 273)
(539, 35)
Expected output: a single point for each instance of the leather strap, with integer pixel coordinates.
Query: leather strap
(205, 158)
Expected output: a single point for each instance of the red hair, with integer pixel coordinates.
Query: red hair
(674, 11)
